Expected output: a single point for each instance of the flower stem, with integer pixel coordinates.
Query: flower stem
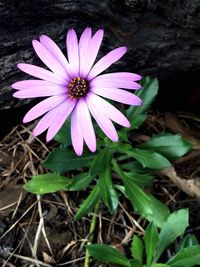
(91, 235)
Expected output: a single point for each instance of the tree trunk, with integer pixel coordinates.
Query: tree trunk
(163, 37)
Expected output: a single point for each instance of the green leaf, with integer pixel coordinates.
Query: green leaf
(188, 241)
(137, 248)
(108, 254)
(99, 161)
(149, 159)
(187, 257)
(80, 182)
(172, 146)
(63, 160)
(161, 265)
(151, 241)
(89, 203)
(47, 183)
(135, 263)
(108, 192)
(174, 226)
(137, 115)
(141, 180)
(160, 212)
(138, 198)
(64, 135)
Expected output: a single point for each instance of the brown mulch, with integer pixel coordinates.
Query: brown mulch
(42, 231)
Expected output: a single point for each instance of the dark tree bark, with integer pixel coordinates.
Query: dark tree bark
(163, 37)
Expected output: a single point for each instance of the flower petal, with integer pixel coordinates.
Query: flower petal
(83, 48)
(119, 95)
(106, 80)
(49, 59)
(106, 61)
(55, 51)
(62, 112)
(44, 106)
(73, 52)
(41, 73)
(86, 124)
(92, 51)
(76, 132)
(121, 76)
(31, 84)
(109, 110)
(41, 91)
(104, 123)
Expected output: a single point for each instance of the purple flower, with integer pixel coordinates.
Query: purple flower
(75, 87)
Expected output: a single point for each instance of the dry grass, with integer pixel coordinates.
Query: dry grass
(41, 231)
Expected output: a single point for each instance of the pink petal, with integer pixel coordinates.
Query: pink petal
(41, 91)
(62, 112)
(76, 132)
(73, 52)
(31, 84)
(112, 81)
(86, 124)
(109, 110)
(104, 123)
(56, 52)
(44, 106)
(83, 48)
(49, 60)
(92, 51)
(121, 76)
(106, 61)
(45, 122)
(41, 73)
(118, 95)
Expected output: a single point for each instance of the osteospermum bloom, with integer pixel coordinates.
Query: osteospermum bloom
(75, 87)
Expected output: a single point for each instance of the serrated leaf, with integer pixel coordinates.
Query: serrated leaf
(108, 192)
(89, 203)
(149, 159)
(80, 182)
(63, 159)
(137, 248)
(187, 257)
(137, 115)
(174, 226)
(169, 145)
(47, 183)
(150, 241)
(108, 254)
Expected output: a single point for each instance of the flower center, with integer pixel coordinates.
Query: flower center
(78, 87)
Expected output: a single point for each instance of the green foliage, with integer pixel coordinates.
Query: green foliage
(137, 115)
(89, 203)
(174, 226)
(109, 254)
(171, 146)
(47, 183)
(137, 248)
(150, 240)
(186, 257)
(63, 159)
(64, 135)
(108, 192)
